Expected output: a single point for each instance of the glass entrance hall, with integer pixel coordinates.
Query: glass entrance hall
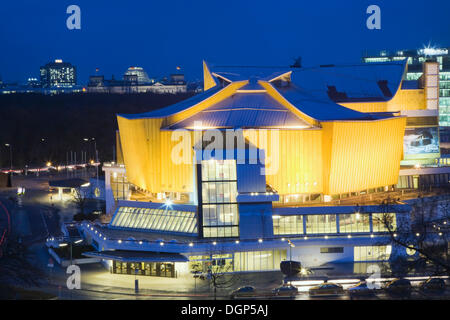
(155, 269)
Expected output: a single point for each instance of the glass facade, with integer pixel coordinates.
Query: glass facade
(353, 223)
(379, 221)
(372, 253)
(120, 186)
(415, 60)
(328, 223)
(259, 260)
(219, 206)
(267, 260)
(287, 225)
(321, 223)
(155, 219)
(154, 269)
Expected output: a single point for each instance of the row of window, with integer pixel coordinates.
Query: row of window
(239, 261)
(219, 170)
(220, 214)
(221, 232)
(372, 253)
(328, 223)
(219, 192)
(271, 259)
(155, 219)
(120, 186)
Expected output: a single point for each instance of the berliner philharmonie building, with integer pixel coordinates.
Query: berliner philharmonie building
(270, 164)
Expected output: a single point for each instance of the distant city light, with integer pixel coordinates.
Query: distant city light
(432, 51)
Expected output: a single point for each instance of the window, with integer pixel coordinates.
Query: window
(120, 186)
(381, 221)
(355, 222)
(287, 224)
(219, 191)
(321, 223)
(259, 260)
(332, 250)
(372, 253)
(155, 219)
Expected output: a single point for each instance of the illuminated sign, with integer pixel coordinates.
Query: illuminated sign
(421, 141)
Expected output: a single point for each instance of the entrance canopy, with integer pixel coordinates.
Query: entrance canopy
(134, 256)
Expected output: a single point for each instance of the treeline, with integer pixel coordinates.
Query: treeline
(41, 128)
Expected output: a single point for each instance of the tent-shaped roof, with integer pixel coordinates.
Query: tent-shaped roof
(256, 109)
(314, 92)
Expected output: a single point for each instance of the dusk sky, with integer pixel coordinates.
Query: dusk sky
(160, 35)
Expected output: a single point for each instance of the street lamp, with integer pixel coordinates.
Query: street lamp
(95, 152)
(10, 156)
(291, 245)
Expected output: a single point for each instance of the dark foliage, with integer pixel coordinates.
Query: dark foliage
(63, 121)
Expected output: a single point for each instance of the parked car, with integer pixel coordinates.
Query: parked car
(285, 291)
(326, 289)
(399, 288)
(360, 289)
(243, 292)
(433, 286)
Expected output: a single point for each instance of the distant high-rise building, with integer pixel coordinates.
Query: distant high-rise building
(415, 61)
(58, 74)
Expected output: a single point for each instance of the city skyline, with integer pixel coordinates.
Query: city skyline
(282, 31)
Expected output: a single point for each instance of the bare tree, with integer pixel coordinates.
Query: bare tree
(79, 198)
(219, 273)
(424, 235)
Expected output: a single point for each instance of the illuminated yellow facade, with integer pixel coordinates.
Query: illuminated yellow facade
(328, 157)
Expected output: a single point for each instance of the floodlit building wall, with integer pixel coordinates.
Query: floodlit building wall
(343, 156)
(298, 154)
(403, 100)
(360, 155)
(141, 146)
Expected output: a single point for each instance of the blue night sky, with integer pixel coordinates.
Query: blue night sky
(160, 35)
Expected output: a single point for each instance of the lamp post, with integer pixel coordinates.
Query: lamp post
(95, 151)
(10, 156)
(291, 245)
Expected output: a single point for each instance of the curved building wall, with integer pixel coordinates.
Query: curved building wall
(341, 157)
(361, 155)
(147, 153)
